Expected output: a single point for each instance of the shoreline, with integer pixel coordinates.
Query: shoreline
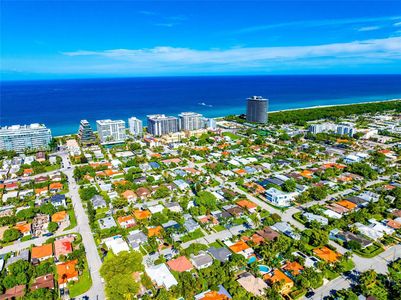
(284, 110)
(333, 105)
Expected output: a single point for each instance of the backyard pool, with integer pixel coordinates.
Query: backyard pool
(264, 269)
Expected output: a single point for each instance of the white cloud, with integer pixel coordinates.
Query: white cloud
(388, 48)
(316, 23)
(369, 28)
(397, 24)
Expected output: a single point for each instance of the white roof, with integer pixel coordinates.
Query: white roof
(116, 244)
(332, 214)
(161, 275)
(156, 208)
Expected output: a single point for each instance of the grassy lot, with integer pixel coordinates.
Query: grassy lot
(297, 216)
(73, 219)
(231, 135)
(192, 236)
(25, 238)
(82, 285)
(215, 244)
(370, 251)
(219, 228)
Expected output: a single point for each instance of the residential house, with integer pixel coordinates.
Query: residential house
(24, 228)
(98, 202)
(67, 272)
(173, 206)
(16, 292)
(40, 224)
(43, 282)
(279, 198)
(58, 200)
(240, 247)
(107, 222)
(254, 285)
(126, 221)
(136, 238)
(63, 246)
(142, 193)
(116, 244)
(221, 254)
(327, 254)
(61, 218)
(161, 276)
(180, 264)
(278, 276)
(130, 196)
(42, 252)
(201, 261)
(221, 294)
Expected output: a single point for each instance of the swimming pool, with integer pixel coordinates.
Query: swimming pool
(251, 259)
(264, 269)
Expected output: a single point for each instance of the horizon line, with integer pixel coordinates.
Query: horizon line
(194, 76)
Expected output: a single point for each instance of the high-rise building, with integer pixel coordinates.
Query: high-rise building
(191, 121)
(85, 133)
(135, 126)
(162, 124)
(346, 129)
(111, 131)
(210, 123)
(20, 138)
(256, 109)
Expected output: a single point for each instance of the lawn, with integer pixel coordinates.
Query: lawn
(297, 216)
(370, 251)
(215, 244)
(192, 236)
(82, 285)
(219, 228)
(231, 135)
(73, 220)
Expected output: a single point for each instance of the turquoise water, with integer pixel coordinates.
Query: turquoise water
(61, 104)
(264, 269)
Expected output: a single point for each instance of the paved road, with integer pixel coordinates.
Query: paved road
(378, 263)
(94, 262)
(38, 241)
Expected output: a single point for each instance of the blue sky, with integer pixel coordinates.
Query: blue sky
(75, 39)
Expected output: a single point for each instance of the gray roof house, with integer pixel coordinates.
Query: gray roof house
(201, 261)
(106, 223)
(191, 225)
(136, 238)
(98, 202)
(23, 255)
(221, 254)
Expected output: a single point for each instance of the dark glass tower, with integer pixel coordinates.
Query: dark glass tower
(256, 109)
(85, 133)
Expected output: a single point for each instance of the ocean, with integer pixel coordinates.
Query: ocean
(61, 104)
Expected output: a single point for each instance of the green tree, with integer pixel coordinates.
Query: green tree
(123, 263)
(11, 235)
(52, 227)
(121, 286)
(289, 185)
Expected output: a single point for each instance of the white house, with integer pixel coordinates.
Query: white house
(161, 275)
(279, 198)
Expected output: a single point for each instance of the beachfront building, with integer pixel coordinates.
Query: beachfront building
(85, 133)
(210, 123)
(162, 124)
(190, 121)
(320, 128)
(343, 129)
(22, 137)
(135, 126)
(256, 110)
(111, 131)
